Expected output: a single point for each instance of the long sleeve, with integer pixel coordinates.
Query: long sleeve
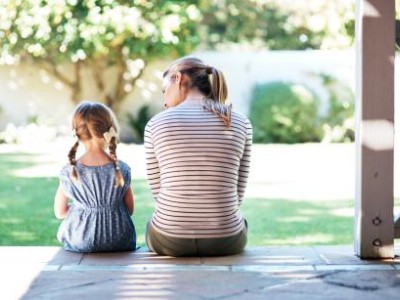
(153, 170)
(193, 164)
(244, 168)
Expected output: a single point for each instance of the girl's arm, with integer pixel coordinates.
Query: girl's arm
(61, 206)
(129, 200)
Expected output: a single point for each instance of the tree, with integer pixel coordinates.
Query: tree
(97, 35)
(277, 24)
(124, 36)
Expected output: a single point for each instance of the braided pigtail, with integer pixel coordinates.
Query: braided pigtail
(221, 110)
(119, 179)
(72, 161)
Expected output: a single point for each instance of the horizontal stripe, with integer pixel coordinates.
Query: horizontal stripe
(197, 170)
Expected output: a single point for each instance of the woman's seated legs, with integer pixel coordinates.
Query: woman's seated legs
(172, 246)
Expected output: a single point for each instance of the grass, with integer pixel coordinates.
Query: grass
(26, 212)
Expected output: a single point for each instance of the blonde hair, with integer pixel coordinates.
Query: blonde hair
(92, 119)
(208, 80)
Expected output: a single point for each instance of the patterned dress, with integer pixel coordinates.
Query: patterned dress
(98, 219)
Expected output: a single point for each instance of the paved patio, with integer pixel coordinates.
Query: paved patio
(310, 171)
(326, 272)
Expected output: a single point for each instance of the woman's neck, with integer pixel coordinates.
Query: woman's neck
(194, 96)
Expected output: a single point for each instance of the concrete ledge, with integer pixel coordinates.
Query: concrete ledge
(51, 272)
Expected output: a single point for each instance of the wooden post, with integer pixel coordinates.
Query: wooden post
(375, 52)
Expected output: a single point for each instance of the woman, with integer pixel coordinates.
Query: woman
(198, 158)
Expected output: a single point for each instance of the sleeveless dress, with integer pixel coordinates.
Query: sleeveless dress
(98, 219)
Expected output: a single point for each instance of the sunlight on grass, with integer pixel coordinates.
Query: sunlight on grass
(301, 219)
(27, 189)
(22, 235)
(308, 212)
(343, 212)
(37, 171)
(11, 221)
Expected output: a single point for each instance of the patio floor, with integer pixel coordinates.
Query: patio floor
(318, 272)
(285, 272)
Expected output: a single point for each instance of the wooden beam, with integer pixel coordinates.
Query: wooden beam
(375, 50)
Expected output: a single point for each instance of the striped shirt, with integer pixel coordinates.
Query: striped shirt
(197, 170)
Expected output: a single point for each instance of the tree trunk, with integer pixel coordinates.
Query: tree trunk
(75, 85)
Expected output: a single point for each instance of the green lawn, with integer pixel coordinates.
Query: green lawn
(26, 212)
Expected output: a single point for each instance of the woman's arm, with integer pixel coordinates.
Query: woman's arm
(153, 170)
(244, 168)
(61, 206)
(129, 200)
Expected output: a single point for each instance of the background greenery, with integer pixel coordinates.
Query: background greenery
(27, 218)
(122, 38)
(125, 36)
(288, 112)
(283, 112)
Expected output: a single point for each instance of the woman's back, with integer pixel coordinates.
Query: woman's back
(200, 171)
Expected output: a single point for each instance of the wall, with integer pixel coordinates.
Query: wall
(26, 90)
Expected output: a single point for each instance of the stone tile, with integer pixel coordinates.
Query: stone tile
(338, 255)
(341, 255)
(367, 267)
(16, 280)
(148, 285)
(365, 280)
(145, 267)
(38, 254)
(325, 286)
(397, 267)
(273, 268)
(268, 256)
(131, 258)
(259, 273)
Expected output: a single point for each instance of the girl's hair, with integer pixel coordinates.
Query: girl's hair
(92, 119)
(208, 80)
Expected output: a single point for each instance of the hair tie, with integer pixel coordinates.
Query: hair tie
(110, 134)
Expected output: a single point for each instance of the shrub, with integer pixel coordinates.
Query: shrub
(284, 113)
(138, 123)
(338, 124)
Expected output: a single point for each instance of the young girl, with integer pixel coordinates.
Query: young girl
(99, 218)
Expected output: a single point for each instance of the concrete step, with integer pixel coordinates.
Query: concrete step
(315, 272)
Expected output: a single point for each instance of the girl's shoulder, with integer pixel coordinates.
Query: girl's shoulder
(65, 170)
(124, 166)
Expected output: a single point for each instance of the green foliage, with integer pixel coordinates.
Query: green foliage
(262, 24)
(284, 113)
(97, 35)
(138, 123)
(127, 35)
(276, 24)
(338, 123)
(84, 30)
